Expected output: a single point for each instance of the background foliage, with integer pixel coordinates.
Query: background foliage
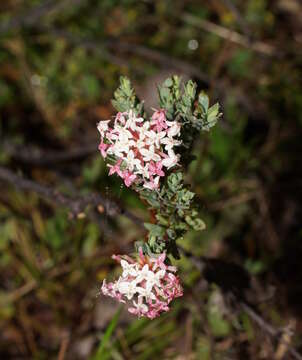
(60, 62)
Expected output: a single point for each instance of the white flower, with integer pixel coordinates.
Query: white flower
(127, 288)
(118, 150)
(129, 269)
(140, 144)
(170, 123)
(174, 129)
(150, 277)
(140, 306)
(155, 138)
(149, 154)
(132, 121)
(154, 279)
(170, 143)
(142, 170)
(105, 290)
(131, 160)
(112, 136)
(124, 134)
(171, 160)
(151, 185)
(142, 130)
(143, 273)
(103, 126)
(146, 292)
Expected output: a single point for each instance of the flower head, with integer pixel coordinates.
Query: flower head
(143, 150)
(148, 283)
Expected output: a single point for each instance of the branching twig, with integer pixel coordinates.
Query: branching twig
(268, 328)
(38, 157)
(34, 15)
(76, 205)
(231, 35)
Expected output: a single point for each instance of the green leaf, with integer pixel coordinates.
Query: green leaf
(169, 95)
(203, 100)
(175, 181)
(215, 315)
(186, 103)
(90, 86)
(108, 333)
(168, 82)
(162, 220)
(144, 246)
(219, 326)
(197, 224)
(125, 97)
(155, 230)
(211, 118)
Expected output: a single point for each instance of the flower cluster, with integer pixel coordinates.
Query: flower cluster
(149, 283)
(142, 149)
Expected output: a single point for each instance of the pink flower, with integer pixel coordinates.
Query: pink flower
(116, 168)
(103, 147)
(156, 168)
(159, 120)
(128, 178)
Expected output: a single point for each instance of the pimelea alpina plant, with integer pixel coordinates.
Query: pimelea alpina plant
(150, 154)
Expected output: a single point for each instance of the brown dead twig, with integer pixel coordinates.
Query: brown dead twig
(76, 204)
(39, 157)
(35, 14)
(63, 347)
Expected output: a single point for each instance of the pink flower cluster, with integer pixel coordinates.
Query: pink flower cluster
(143, 149)
(149, 283)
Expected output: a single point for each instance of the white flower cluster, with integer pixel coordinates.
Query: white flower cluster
(143, 149)
(149, 283)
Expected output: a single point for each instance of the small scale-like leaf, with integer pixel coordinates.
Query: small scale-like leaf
(203, 100)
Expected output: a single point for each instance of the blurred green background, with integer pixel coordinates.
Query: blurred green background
(60, 62)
